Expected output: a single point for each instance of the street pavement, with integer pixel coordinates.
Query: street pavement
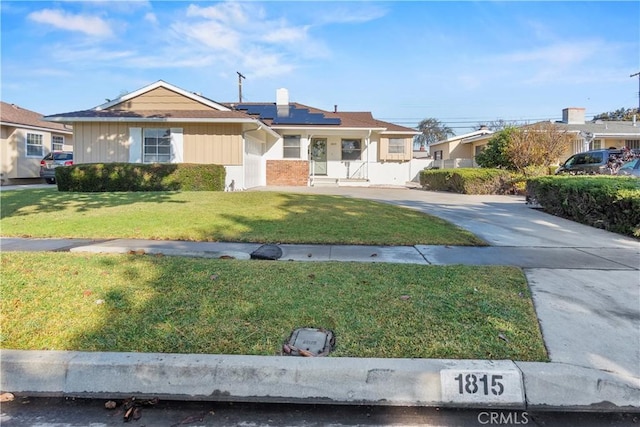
(585, 284)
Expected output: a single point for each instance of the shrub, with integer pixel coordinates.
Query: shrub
(470, 181)
(607, 202)
(102, 177)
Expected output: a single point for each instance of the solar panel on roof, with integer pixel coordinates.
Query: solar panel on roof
(291, 116)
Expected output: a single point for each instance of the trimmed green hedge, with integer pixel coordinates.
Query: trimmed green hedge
(470, 180)
(102, 177)
(607, 202)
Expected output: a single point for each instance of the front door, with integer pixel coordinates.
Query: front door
(318, 156)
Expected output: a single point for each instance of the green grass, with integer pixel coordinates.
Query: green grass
(50, 301)
(261, 217)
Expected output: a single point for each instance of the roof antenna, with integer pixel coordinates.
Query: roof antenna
(240, 77)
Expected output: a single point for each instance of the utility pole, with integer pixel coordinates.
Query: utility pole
(240, 77)
(633, 75)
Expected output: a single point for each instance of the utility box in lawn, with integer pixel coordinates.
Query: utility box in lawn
(309, 342)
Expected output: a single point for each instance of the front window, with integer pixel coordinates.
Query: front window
(396, 145)
(351, 149)
(595, 144)
(157, 146)
(57, 143)
(35, 148)
(291, 145)
(437, 155)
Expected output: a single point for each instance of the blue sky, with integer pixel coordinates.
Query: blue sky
(460, 62)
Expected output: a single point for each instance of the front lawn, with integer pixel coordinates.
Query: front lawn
(261, 217)
(133, 303)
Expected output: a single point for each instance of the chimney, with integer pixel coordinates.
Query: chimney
(573, 116)
(282, 102)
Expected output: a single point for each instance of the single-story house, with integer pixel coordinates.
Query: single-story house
(25, 138)
(259, 143)
(461, 151)
(456, 151)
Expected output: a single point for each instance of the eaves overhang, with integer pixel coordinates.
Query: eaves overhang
(38, 128)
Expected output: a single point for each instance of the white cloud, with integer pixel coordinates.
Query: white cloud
(151, 17)
(90, 25)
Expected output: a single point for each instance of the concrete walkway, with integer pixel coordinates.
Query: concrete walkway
(586, 290)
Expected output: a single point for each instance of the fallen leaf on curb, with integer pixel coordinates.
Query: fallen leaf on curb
(110, 404)
(374, 255)
(227, 257)
(136, 252)
(7, 397)
(309, 255)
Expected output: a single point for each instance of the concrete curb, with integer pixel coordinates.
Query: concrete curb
(392, 382)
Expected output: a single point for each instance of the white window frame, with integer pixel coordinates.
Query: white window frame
(57, 145)
(291, 146)
(152, 134)
(396, 146)
(39, 144)
(350, 152)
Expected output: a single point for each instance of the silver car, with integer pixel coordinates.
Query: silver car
(51, 161)
(631, 168)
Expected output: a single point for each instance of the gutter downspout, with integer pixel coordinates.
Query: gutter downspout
(312, 163)
(367, 163)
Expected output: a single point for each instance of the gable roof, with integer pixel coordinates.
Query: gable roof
(254, 112)
(464, 137)
(162, 84)
(13, 115)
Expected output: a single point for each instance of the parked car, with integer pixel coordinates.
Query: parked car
(631, 168)
(51, 161)
(603, 161)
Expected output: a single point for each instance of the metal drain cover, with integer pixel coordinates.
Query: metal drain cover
(309, 342)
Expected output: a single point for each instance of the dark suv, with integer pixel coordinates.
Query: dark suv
(591, 162)
(51, 161)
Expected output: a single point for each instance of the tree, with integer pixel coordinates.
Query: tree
(540, 144)
(432, 131)
(496, 125)
(621, 114)
(494, 155)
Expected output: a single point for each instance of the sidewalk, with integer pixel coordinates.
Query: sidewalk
(571, 382)
(585, 285)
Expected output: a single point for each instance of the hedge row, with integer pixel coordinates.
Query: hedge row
(101, 177)
(470, 181)
(607, 202)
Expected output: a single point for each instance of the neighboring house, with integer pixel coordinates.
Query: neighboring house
(457, 151)
(461, 151)
(25, 139)
(597, 134)
(271, 143)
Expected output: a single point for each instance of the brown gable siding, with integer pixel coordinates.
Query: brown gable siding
(160, 99)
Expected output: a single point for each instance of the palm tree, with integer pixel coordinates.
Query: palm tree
(432, 130)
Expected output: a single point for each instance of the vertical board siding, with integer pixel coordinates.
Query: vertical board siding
(203, 143)
(159, 99)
